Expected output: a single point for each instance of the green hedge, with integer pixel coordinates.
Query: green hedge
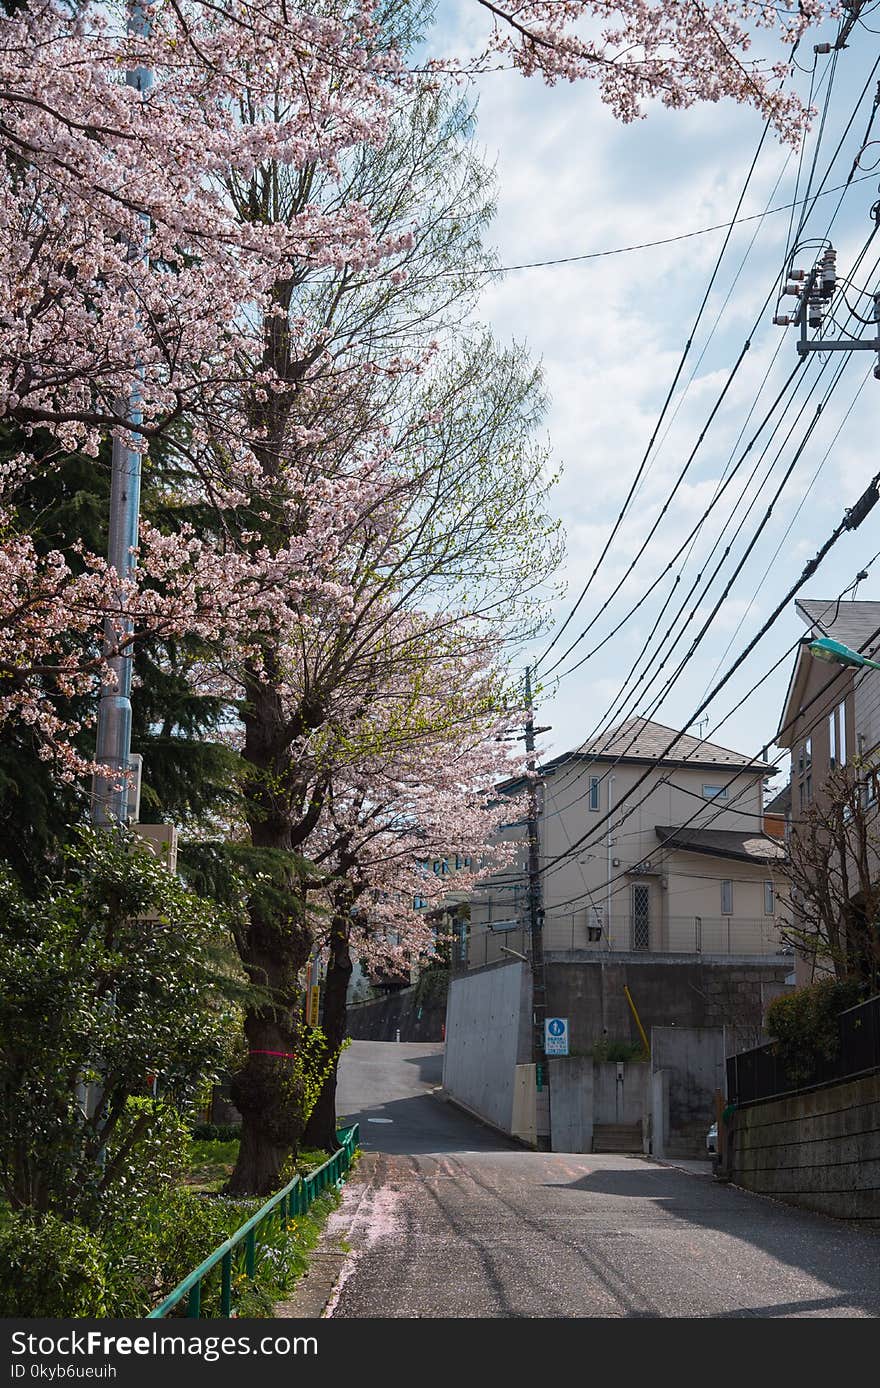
(804, 1026)
(54, 1268)
(50, 1268)
(216, 1132)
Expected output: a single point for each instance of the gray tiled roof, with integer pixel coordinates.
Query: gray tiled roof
(853, 623)
(644, 740)
(723, 843)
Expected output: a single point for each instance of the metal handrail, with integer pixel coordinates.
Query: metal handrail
(295, 1198)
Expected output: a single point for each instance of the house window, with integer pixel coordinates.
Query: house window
(841, 736)
(594, 792)
(769, 899)
(714, 792)
(641, 916)
(832, 745)
(419, 903)
(808, 753)
(727, 898)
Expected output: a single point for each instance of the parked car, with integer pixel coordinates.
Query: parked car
(712, 1139)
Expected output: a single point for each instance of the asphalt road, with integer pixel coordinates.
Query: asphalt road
(445, 1218)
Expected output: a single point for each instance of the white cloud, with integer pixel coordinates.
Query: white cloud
(610, 332)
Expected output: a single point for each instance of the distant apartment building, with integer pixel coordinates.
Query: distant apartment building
(448, 919)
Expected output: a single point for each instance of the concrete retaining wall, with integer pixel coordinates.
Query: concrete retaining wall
(487, 1036)
(820, 1149)
(381, 1018)
(693, 1060)
(667, 990)
(571, 1103)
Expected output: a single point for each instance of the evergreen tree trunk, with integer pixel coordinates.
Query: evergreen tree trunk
(321, 1127)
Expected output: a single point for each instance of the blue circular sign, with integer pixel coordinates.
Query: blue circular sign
(556, 1026)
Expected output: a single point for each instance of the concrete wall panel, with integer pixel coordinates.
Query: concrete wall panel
(571, 1103)
(483, 1037)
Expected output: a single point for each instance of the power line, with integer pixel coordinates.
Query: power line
(666, 403)
(642, 465)
(866, 645)
(640, 245)
(856, 265)
(622, 513)
(763, 579)
(852, 518)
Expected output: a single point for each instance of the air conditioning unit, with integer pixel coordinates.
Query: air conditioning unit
(595, 924)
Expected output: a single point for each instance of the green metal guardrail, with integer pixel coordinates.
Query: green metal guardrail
(295, 1198)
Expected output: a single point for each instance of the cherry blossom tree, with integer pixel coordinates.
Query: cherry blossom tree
(644, 50)
(88, 162)
(424, 791)
(246, 250)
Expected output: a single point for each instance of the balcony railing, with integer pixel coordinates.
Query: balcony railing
(723, 936)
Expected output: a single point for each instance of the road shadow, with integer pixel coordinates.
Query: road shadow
(422, 1125)
(836, 1252)
(430, 1067)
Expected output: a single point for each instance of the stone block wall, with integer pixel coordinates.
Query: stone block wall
(820, 1149)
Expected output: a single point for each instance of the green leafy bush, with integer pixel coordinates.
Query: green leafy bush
(149, 1149)
(147, 1245)
(804, 1025)
(216, 1132)
(167, 1236)
(51, 1268)
(116, 972)
(151, 1244)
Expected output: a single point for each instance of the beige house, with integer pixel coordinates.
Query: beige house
(831, 720)
(682, 866)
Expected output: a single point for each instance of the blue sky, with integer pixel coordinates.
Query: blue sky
(609, 333)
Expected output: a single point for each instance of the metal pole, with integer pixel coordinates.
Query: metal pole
(608, 894)
(110, 794)
(536, 912)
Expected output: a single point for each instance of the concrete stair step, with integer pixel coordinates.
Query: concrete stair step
(617, 1137)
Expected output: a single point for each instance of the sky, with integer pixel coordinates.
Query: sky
(609, 333)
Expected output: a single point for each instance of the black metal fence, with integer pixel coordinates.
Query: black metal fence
(761, 1074)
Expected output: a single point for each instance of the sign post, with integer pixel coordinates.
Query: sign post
(556, 1036)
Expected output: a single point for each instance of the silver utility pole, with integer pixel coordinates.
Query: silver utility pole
(110, 795)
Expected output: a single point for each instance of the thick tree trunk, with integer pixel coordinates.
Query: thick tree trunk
(274, 946)
(269, 1089)
(321, 1127)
